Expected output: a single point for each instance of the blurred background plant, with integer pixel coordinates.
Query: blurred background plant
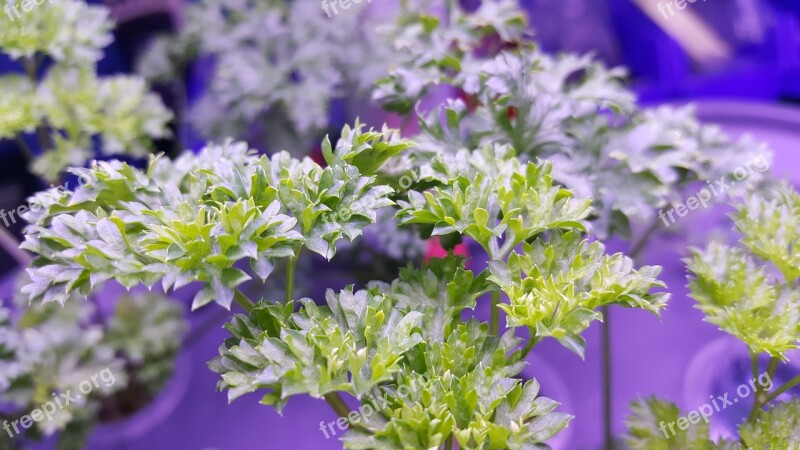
(49, 350)
(61, 102)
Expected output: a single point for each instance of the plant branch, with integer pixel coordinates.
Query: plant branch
(762, 397)
(448, 444)
(338, 405)
(754, 363)
(607, 377)
(532, 341)
(786, 386)
(291, 268)
(494, 323)
(243, 300)
(641, 244)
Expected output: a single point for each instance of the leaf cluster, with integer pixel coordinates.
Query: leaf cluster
(194, 218)
(750, 290)
(70, 107)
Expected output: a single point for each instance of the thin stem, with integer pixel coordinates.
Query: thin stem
(243, 300)
(754, 363)
(607, 378)
(761, 397)
(788, 385)
(494, 323)
(31, 66)
(607, 375)
(532, 341)
(773, 364)
(10, 244)
(338, 405)
(641, 244)
(291, 268)
(448, 444)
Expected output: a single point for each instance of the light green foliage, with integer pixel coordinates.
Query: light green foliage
(351, 345)
(68, 105)
(18, 108)
(555, 285)
(192, 219)
(770, 225)
(463, 386)
(458, 378)
(118, 109)
(71, 32)
(504, 197)
(367, 151)
(148, 330)
(649, 429)
(738, 291)
(778, 428)
(440, 290)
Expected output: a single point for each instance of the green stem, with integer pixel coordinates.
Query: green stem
(494, 323)
(532, 341)
(605, 330)
(761, 397)
(448, 444)
(242, 300)
(788, 385)
(754, 363)
(607, 378)
(338, 405)
(291, 268)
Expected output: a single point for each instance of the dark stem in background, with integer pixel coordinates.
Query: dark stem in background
(607, 376)
(10, 244)
(608, 435)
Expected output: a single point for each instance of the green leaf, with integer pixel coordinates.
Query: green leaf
(557, 283)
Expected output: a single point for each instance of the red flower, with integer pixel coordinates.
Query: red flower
(435, 249)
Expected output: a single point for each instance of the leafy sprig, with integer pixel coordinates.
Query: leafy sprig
(194, 219)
